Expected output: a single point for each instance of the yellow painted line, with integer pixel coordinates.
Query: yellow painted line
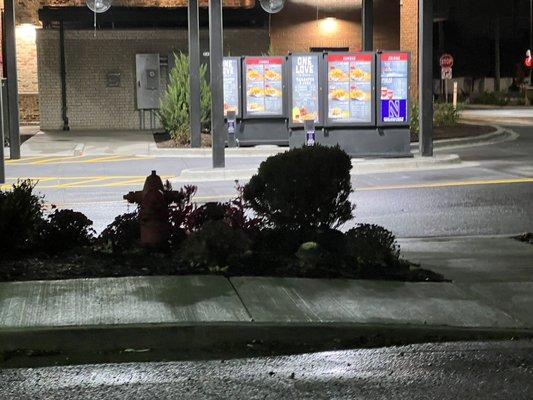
(25, 159)
(77, 160)
(81, 183)
(401, 187)
(130, 180)
(51, 160)
(449, 184)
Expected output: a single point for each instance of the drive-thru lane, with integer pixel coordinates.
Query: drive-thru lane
(491, 197)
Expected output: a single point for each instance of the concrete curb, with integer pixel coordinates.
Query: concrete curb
(154, 342)
(360, 167)
(499, 136)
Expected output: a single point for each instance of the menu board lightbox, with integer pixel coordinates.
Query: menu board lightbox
(304, 94)
(394, 88)
(263, 89)
(231, 67)
(350, 92)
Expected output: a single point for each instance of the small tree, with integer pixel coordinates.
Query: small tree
(174, 111)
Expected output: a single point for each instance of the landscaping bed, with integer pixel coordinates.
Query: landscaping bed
(286, 222)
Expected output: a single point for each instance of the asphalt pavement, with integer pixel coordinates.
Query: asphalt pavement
(480, 370)
(491, 195)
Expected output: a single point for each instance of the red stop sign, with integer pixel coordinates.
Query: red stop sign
(446, 61)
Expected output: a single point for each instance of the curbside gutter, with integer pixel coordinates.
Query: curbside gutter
(73, 345)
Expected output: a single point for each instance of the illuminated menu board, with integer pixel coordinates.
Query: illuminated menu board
(304, 89)
(394, 90)
(264, 86)
(230, 67)
(350, 88)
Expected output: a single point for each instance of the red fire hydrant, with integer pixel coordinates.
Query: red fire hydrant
(153, 203)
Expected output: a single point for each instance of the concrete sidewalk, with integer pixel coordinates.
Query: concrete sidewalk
(135, 143)
(489, 297)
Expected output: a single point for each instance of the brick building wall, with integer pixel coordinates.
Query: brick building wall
(299, 27)
(92, 105)
(409, 38)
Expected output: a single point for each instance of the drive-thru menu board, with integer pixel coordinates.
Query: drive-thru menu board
(350, 88)
(231, 74)
(305, 103)
(264, 86)
(394, 90)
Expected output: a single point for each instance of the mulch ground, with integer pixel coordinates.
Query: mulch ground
(458, 131)
(164, 141)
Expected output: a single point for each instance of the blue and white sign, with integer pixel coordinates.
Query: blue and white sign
(394, 96)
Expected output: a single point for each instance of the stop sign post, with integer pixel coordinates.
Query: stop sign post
(446, 64)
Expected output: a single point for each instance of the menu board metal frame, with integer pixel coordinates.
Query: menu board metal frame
(245, 113)
(239, 84)
(328, 122)
(321, 121)
(379, 122)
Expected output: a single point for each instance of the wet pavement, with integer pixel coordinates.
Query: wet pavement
(481, 370)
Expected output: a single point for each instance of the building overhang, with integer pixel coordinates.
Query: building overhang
(144, 17)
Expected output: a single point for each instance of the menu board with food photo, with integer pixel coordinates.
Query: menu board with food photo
(394, 89)
(230, 67)
(304, 89)
(264, 86)
(350, 88)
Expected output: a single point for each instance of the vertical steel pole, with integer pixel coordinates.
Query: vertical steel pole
(497, 61)
(2, 155)
(367, 18)
(218, 129)
(64, 108)
(194, 78)
(12, 84)
(425, 76)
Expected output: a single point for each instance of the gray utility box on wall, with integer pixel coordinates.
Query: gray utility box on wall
(148, 81)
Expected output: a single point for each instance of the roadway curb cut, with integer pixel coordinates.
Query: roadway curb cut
(361, 167)
(149, 342)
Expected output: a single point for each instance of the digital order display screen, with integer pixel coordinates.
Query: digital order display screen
(230, 68)
(305, 89)
(394, 91)
(264, 86)
(350, 88)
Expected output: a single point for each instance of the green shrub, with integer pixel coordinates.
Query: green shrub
(216, 247)
(490, 98)
(122, 234)
(445, 115)
(64, 230)
(303, 189)
(174, 110)
(372, 248)
(21, 217)
(414, 114)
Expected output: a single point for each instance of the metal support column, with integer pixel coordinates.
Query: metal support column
(63, 67)
(218, 128)
(12, 85)
(425, 76)
(367, 19)
(2, 155)
(194, 77)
